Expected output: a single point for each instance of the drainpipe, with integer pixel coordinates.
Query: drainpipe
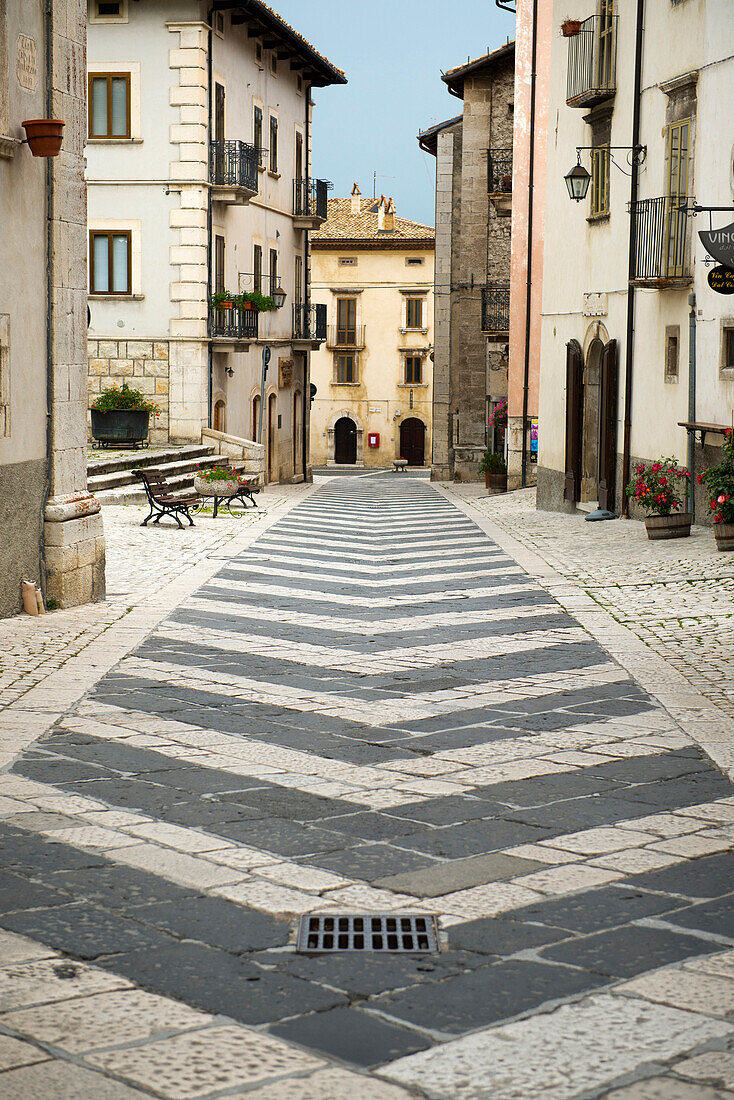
(210, 354)
(529, 281)
(691, 401)
(48, 26)
(634, 189)
(306, 406)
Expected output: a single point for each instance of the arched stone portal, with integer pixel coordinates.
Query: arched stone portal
(413, 441)
(345, 442)
(331, 438)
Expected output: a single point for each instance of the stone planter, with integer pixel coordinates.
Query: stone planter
(675, 526)
(215, 488)
(120, 427)
(497, 483)
(724, 533)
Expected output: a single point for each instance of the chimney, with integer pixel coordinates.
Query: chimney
(356, 199)
(381, 214)
(389, 223)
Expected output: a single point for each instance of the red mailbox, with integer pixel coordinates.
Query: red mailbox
(373, 439)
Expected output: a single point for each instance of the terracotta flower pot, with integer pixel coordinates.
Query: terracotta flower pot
(724, 533)
(225, 305)
(570, 28)
(675, 526)
(249, 305)
(44, 136)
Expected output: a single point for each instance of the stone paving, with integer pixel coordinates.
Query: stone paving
(372, 707)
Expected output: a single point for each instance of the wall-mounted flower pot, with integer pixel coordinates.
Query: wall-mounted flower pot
(675, 526)
(249, 306)
(120, 427)
(570, 28)
(724, 533)
(225, 305)
(44, 136)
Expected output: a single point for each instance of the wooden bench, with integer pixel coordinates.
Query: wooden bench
(161, 500)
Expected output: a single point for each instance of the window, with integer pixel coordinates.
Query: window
(413, 370)
(219, 24)
(109, 11)
(728, 360)
(346, 320)
(298, 273)
(347, 261)
(274, 63)
(299, 155)
(605, 77)
(109, 105)
(257, 132)
(257, 267)
(299, 84)
(672, 353)
(273, 144)
(256, 417)
(346, 369)
(219, 281)
(600, 181)
(4, 375)
(273, 271)
(414, 313)
(110, 262)
(679, 134)
(414, 261)
(259, 54)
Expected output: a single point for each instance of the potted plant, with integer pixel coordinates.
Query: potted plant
(216, 481)
(497, 419)
(659, 489)
(495, 472)
(719, 482)
(570, 28)
(253, 299)
(44, 136)
(223, 299)
(122, 416)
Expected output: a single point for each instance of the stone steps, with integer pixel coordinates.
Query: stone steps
(110, 477)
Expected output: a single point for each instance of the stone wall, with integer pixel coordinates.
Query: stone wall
(141, 364)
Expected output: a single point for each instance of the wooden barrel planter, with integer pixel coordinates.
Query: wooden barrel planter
(496, 483)
(675, 526)
(120, 427)
(724, 533)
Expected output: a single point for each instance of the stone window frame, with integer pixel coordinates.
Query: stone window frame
(412, 353)
(5, 407)
(347, 354)
(95, 17)
(130, 69)
(413, 294)
(672, 332)
(121, 225)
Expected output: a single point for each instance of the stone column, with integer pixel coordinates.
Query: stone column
(74, 546)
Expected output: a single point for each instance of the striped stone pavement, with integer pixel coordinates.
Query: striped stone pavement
(375, 709)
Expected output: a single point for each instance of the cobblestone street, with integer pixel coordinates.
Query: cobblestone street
(373, 696)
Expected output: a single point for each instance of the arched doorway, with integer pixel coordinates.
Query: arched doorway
(345, 442)
(256, 419)
(220, 419)
(413, 441)
(590, 438)
(273, 472)
(297, 433)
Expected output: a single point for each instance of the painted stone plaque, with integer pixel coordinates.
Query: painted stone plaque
(27, 62)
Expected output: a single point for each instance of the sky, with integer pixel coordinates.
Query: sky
(393, 53)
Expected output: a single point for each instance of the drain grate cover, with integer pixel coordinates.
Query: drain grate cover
(369, 932)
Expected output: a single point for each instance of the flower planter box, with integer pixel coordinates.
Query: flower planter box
(570, 28)
(496, 483)
(216, 488)
(724, 533)
(675, 526)
(44, 136)
(120, 427)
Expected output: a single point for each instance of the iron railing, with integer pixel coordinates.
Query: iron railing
(499, 171)
(233, 164)
(310, 198)
(495, 308)
(662, 239)
(352, 337)
(309, 321)
(592, 62)
(233, 324)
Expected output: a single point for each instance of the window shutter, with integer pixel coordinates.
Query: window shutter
(608, 427)
(574, 413)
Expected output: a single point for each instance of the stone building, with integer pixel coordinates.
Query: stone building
(473, 232)
(637, 348)
(199, 155)
(51, 527)
(373, 273)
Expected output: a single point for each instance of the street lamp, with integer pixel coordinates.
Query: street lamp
(279, 296)
(577, 181)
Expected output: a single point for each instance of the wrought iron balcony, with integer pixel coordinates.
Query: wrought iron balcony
(662, 235)
(233, 170)
(233, 324)
(495, 308)
(310, 202)
(351, 339)
(592, 62)
(309, 321)
(499, 171)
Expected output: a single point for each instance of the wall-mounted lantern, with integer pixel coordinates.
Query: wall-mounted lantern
(577, 181)
(279, 296)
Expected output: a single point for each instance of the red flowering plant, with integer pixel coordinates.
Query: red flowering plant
(719, 482)
(498, 416)
(660, 487)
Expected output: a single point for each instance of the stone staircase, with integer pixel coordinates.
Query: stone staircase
(110, 473)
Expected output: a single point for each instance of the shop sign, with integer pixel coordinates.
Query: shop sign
(721, 279)
(285, 373)
(719, 243)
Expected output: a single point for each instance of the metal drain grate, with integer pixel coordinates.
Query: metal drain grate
(369, 932)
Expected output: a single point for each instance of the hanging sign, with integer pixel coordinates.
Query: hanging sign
(721, 279)
(719, 243)
(285, 373)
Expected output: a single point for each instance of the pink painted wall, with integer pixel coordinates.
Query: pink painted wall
(520, 199)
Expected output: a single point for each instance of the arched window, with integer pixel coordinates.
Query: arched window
(220, 417)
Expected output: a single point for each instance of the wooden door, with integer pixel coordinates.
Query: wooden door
(574, 419)
(346, 321)
(413, 441)
(273, 472)
(218, 112)
(219, 417)
(345, 442)
(608, 427)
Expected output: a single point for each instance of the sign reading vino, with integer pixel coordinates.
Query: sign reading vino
(719, 243)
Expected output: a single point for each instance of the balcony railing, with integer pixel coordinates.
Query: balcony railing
(592, 62)
(499, 171)
(309, 321)
(233, 324)
(310, 198)
(662, 250)
(348, 338)
(233, 164)
(495, 309)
